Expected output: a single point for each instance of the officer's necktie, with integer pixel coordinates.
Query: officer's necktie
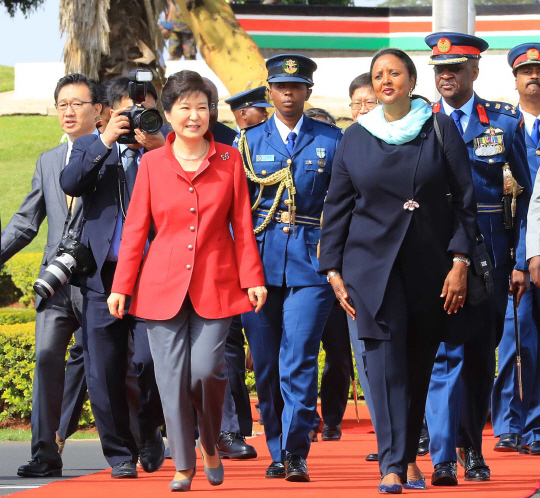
(456, 116)
(291, 137)
(535, 133)
(130, 169)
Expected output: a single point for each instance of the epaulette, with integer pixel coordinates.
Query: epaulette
(436, 107)
(502, 107)
(253, 126)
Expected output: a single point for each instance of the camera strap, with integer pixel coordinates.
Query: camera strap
(68, 218)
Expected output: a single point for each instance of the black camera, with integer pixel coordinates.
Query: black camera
(148, 120)
(72, 257)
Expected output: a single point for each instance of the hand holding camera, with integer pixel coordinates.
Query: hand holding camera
(148, 141)
(118, 126)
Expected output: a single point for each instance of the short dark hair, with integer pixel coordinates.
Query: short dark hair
(77, 79)
(359, 82)
(118, 89)
(104, 93)
(317, 113)
(400, 54)
(183, 83)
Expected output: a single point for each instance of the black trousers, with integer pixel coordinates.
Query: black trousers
(105, 343)
(237, 406)
(74, 389)
(399, 371)
(336, 377)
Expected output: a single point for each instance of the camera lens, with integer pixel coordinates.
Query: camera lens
(55, 275)
(150, 121)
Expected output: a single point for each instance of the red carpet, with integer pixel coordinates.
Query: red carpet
(337, 469)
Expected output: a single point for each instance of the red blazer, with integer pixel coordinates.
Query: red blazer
(193, 251)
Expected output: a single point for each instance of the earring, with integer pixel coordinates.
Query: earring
(410, 92)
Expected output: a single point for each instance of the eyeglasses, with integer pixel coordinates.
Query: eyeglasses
(357, 105)
(76, 106)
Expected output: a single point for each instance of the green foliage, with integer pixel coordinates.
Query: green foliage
(25, 6)
(24, 138)
(23, 270)
(17, 362)
(7, 79)
(17, 359)
(11, 316)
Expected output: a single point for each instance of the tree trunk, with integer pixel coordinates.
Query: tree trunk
(106, 39)
(229, 51)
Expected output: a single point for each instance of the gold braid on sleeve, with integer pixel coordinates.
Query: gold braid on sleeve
(283, 177)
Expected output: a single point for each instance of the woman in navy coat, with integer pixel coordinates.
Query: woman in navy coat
(395, 249)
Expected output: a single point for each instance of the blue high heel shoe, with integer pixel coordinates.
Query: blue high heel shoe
(184, 484)
(420, 484)
(390, 489)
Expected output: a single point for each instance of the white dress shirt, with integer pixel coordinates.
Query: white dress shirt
(284, 130)
(529, 119)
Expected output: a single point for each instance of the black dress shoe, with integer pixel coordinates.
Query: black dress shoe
(276, 469)
(296, 468)
(331, 433)
(152, 452)
(124, 470)
(372, 457)
(36, 468)
(508, 442)
(531, 448)
(475, 466)
(233, 445)
(445, 474)
(423, 443)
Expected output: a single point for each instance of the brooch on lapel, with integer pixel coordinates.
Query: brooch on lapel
(225, 156)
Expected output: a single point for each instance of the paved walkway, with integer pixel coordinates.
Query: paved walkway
(81, 457)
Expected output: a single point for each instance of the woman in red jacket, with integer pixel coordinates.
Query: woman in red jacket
(195, 276)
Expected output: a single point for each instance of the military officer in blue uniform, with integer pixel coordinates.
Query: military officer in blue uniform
(517, 422)
(462, 379)
(288, 161)
(249, 107)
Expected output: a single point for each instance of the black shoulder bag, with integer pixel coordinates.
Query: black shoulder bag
(479, 278)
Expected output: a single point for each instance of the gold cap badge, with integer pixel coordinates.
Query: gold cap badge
(532, 53)
(444, 45)
(290, 66)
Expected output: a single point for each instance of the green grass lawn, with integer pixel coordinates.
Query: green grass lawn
(26, 435)
(24, 138)
(7, 78)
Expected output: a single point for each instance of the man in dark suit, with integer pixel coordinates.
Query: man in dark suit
(462, 380)
(103, 172)
(75, 388)
(59, 317)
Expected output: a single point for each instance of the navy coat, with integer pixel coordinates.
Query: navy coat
(365, 223)
(292, 258)
(92, 173)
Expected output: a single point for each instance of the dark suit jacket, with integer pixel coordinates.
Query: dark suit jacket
(45, 199)
(365, 223)
(93, 174)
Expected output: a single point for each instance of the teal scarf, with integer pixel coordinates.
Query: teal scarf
(397, 132)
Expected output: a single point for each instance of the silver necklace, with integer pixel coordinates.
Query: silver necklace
(178, 156)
